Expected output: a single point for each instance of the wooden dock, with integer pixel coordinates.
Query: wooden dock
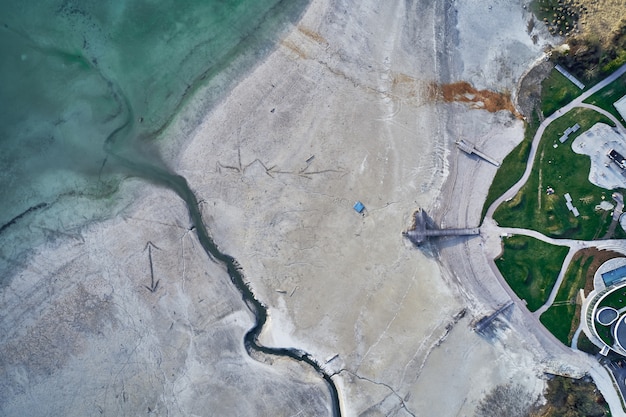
(470, 149)
(420, 233)
(486, 321)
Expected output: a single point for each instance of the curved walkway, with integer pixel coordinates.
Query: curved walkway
(491, 229)
(557, 284)
(603, 112)
(574, 245)
(577, 102)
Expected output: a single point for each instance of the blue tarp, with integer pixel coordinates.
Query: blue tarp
(359, 207)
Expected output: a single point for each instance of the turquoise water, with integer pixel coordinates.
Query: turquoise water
(78, 77)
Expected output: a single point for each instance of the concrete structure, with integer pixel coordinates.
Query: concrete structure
(570, 205)
(603, 313)
(569, 131)
(620, 106)
(570, 77)
(606, 316)
(469, 149)
(484, 322)
(605, 146)
(420, 233)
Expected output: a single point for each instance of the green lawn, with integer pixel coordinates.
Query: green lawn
(562, 318)
(609, 95)
(531, 267)
(605, 333)
(566, 172)
(512, 167)
(617, 299)
(558, 320)
(556, 92)
(586, 345)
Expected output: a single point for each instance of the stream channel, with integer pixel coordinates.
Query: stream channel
(179, 185)
(94, 81)
(160, 176)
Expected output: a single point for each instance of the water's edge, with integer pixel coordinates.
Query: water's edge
(177, 183)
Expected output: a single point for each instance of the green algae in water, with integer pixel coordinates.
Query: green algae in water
(73, 73)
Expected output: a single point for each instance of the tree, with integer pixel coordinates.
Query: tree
(510, 400)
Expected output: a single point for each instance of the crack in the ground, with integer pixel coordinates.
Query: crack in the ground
(389, 387)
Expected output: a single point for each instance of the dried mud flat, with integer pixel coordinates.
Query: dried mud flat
(341, 111)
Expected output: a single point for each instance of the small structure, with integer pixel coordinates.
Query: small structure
(614, 276)
(570, 205)
(568, 132)
(617, 158)
(570, 77)
(606, 316)
(487, 320)
(359, 207)
(469, 149)
(420, 233)
(620, 106)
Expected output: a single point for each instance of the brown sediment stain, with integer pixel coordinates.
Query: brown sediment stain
(311, 34)
(300, 44)
(294, 48)
(464, 92)
(406, 86)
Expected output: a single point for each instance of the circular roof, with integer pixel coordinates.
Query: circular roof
(620, 332)
(606, 315)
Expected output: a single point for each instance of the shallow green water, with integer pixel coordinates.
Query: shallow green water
(73, 73)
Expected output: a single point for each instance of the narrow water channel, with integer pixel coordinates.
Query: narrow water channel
(76, 73)
(178, 184)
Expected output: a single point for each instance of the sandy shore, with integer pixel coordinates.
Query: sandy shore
(341, 111)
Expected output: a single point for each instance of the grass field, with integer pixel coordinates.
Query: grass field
(609, 95)
(586, 345)
(617, 299)
(566, 172)
(563, 317)
(605, 333)
(531, 267)
(557, 91)
(512, 167)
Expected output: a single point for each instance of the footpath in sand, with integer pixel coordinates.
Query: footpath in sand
(348, 107)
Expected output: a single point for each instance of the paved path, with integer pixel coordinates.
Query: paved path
(574, 344)
(604, 382)
(600, 110)
(557, 284)
(490, 229)
(577, 102)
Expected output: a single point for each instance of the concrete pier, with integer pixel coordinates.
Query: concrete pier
(469, 149)
(420, 233)
(487, 320)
